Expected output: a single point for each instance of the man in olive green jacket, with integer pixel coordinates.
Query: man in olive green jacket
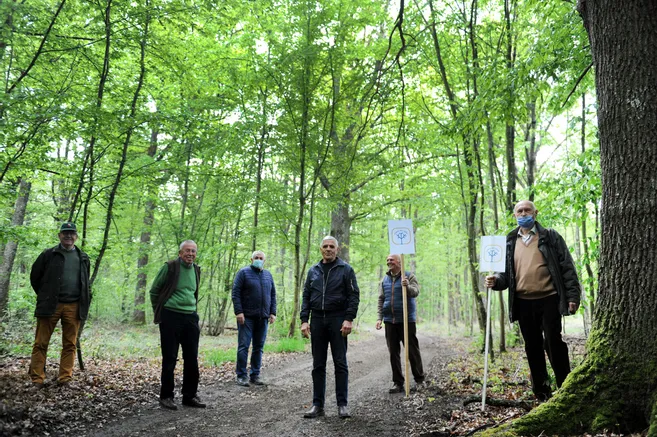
(60, 278)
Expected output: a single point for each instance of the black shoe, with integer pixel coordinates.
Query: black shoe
(314, 411)
(193, 402)
(257, 381)
(396, 388)
(343, 412)
(168, 404)
(242, 381)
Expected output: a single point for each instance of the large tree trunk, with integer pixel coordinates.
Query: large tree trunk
(11, 246)
(615, 388)
(341, 227)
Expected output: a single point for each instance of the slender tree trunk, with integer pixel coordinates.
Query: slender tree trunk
(615, 388)
(11, 246)
(139, 313)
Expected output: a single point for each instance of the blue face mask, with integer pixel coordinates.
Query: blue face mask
(526, 222)
(258, 263)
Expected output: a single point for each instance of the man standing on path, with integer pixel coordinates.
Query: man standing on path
(391, 311)
(174, 295)
(254, 301)
(330, 300)
(543, 286)
(60, 278)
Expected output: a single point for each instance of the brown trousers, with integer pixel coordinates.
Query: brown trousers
(68, 313)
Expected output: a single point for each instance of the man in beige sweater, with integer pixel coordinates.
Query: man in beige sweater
(543, 286)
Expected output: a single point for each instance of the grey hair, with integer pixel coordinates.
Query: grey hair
(328, 237)
(258, 252)
(188, 242)
(528, 201)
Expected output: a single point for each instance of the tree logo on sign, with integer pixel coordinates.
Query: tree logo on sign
(494, 253)
(401, 236)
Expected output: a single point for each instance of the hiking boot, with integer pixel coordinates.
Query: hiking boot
(241, 380)
(168, 404)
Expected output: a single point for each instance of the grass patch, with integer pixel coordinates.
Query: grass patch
(216, 357)
(284, 344)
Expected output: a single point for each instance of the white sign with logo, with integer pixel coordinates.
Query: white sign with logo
(400, 235)
(492, 256)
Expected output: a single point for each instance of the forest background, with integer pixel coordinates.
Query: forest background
(266, 125)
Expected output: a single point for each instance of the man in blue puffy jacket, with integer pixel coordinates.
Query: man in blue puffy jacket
(254, 302)
(391, 311)
(330, 301)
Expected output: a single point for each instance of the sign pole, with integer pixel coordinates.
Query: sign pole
(404, 300)
(483, 390)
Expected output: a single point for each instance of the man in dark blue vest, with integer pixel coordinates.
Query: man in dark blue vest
(391, 311)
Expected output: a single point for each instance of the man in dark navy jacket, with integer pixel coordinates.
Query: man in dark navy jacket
(254, 302)
(330, 301)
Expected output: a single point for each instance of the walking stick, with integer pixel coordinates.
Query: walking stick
(77, 345)
(406, 365)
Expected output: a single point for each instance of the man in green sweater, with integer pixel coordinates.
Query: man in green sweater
(174, 295)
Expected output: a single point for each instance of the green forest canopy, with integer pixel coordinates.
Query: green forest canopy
(269, 124)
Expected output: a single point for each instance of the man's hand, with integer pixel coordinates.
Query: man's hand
(272, 318)
(405, 282)
(490, 281)
(305, 330)
(346, 328)
(378, 325)
(240, 318)
(572, 307)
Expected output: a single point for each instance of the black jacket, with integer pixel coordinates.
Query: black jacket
(338, 295)
(160, 296)
(559, 263)
(45, 278)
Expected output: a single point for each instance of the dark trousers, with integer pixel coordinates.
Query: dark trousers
(178, 329)
(325, 331)
(394, 339)
(540, 325)
(254, 328)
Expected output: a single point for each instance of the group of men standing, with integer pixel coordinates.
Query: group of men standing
(540, 276)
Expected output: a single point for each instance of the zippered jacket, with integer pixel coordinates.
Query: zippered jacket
(559, 262)
(335, 295)
(45, 278)
(391, 305)
(254, 293)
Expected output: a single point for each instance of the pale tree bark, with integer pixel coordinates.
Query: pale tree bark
(615, 388)
(11, 246)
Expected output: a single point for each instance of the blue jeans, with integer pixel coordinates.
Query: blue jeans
(254, 328)
(325, 331)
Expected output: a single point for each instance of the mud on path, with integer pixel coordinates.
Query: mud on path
(277, 409)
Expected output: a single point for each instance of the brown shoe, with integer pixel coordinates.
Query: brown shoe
(193, 402)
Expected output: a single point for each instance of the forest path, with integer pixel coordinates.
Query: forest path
(277, 409)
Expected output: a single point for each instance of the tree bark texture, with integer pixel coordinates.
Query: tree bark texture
(615, 388)
(11, 246)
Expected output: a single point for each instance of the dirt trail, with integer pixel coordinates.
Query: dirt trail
(277, 409)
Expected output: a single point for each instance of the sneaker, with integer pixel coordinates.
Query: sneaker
(257, 381)
(193, 402)
(168, 404)
(396, 388)
(242, 381)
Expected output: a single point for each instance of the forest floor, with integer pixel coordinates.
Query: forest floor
(118, 397)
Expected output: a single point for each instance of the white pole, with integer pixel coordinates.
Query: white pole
(483, 390)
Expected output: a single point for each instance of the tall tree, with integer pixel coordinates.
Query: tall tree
(615, 388)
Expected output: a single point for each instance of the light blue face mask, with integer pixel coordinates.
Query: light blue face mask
(526, 222)
(258, 263)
